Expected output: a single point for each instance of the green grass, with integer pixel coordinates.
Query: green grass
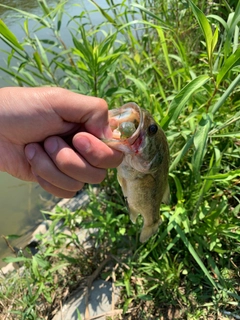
(180, 60)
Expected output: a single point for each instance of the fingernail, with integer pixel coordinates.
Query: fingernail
(30, 151)
(51, 145)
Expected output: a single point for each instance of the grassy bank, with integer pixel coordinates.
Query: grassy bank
(180, 60)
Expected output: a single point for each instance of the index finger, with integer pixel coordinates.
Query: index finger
(78, 108)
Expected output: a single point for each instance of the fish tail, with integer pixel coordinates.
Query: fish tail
(148, 231)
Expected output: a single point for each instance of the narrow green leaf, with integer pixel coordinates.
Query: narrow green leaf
(29, 15)
(28, 75)
(59, 20)
(151, 14)
(15, 259)
(178, 186)
(105, 14)
(214, 40)
(224, 135)
(112, 57)
(81, 65)
(6, 34)
(59, 266)
(79, 317)
(25, 26)
(108, 44)
(181, 153)
(13, 236)
(231, 62)
(17, 76)
(43, 52)
(233, 20)
(127, 284)
(162, 236)
(139, 84)
(227, 123)
(225, 95)
(182, 98)
(236, 39)
(126, 304)
(205, 26)
(194, 254)
(171, 244)
(42, 4)
(144, 297)
(200, 143)
(225, 176)
(35, 267)
(84, 48)
(137, 22)
(37, 58)
(213, 168)
(219, 19)
(166, 55)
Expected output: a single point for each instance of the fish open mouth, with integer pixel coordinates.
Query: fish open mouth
(126, 123)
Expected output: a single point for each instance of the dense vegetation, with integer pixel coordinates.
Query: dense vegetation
(180, 60)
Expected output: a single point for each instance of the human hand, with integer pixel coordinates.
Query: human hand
(36, 125)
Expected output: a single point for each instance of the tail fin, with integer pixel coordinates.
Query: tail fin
(148, 231)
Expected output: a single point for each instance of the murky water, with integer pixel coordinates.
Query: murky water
(21, 202)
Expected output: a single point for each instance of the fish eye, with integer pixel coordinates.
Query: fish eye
(152, 129)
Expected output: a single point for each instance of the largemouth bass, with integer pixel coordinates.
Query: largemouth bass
(143, 173)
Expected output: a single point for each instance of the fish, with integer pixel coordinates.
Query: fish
(143, 173)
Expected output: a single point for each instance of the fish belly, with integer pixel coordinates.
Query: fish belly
(142, 197)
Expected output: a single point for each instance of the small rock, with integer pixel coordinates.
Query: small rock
(99, 302)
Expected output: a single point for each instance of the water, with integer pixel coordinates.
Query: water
(20, 201)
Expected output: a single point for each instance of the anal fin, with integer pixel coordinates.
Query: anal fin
(148, 231)
(166, 195)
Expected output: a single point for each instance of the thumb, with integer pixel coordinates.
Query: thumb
(72, 107)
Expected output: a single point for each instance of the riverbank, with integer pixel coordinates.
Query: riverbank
(90, 295)
(30, 240)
